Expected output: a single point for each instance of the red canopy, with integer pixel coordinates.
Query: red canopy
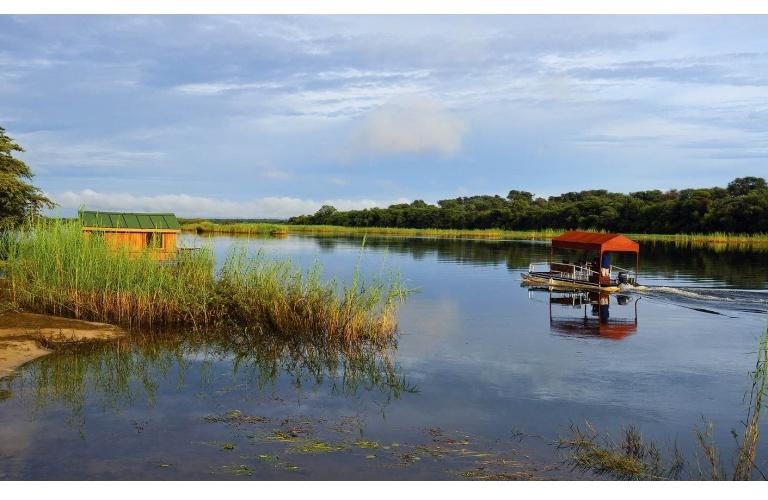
(599, 242)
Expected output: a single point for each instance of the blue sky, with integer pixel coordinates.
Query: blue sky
(272, 116)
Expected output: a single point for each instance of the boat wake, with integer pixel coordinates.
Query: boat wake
(751, 301)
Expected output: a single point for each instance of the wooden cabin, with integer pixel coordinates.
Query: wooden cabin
(135, 231)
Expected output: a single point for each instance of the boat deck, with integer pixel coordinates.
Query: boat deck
(558, 279)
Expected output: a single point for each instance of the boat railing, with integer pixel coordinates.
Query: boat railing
(567, 270)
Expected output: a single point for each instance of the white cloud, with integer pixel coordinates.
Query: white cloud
(410, 125)
(215, 88)
(49, 149)
(198, 206)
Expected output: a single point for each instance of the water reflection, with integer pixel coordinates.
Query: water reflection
(743, 267)
(119, 374)
(583, 313)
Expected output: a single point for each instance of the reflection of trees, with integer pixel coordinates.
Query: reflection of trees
(736, 265)
(444, 249)
(117, 373)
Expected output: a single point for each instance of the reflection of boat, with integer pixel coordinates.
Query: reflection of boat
(596, 273)
(596, 319)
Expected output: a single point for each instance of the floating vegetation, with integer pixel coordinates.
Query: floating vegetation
(235, 470)
(313, 447)
(370, 445)
(286, 437)
(287, 466)
(408, 458)
(228, 446)
(53, 269)
(305, 436)
(5, 394)
(483, 475)
(236, 417)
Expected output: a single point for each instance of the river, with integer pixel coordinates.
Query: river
(486, 375)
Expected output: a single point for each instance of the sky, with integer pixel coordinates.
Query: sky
(274, 116)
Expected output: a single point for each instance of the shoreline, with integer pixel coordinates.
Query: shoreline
(25, 337)
(269, 229)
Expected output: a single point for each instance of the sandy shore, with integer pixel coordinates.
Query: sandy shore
(21, 335)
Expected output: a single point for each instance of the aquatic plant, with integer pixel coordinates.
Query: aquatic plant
(632, 457)
(629, 458)
(52, 268)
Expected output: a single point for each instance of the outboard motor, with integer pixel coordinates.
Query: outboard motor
(623, 280)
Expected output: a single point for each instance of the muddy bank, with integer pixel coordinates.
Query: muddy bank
(27, 336)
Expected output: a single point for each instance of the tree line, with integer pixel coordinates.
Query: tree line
(740, 207)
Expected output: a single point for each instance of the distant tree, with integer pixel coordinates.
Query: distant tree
(744, 185)
(741, 207)
(516, 195)
(19, 200)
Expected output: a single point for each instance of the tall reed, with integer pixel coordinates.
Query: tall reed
(52, 268)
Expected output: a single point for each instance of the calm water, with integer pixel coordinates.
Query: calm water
(485, 377)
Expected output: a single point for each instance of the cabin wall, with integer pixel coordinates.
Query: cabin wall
(169, 242)
(136, 242)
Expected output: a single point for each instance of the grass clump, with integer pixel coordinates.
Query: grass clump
(53, 269)
(629, 458)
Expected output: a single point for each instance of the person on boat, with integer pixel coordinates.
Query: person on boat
(605, 268)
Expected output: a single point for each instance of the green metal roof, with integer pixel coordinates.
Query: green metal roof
(127, 220)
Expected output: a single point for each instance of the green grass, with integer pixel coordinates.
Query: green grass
(254, 228)
(202, 227)
(54, 269)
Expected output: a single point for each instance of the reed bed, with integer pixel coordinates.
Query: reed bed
(54, 269)
(535, 234)
(693, 238)
(260, 228)
(278, 229)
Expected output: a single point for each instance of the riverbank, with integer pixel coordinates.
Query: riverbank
(203, 227)
(27, 336)
(52, 269)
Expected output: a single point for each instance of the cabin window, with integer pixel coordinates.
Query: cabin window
(154, 240)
